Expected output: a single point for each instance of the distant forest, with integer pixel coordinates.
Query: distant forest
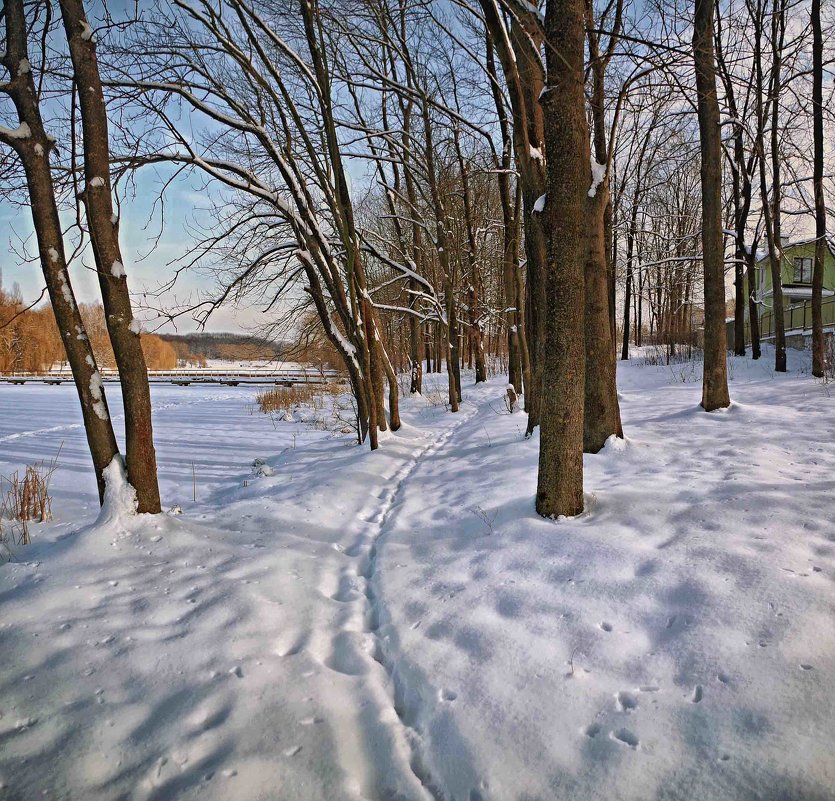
(198, 347)
(30, 341)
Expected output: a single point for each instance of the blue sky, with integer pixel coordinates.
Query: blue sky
(147, 262)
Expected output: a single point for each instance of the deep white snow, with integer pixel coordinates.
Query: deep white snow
(401, 625)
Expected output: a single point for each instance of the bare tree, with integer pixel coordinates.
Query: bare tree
(271, 136)
(602, 414)
(743, 162)
(33, 146)
(103, 227)
(560, 480)
(771, 205)
(516, 33)
(818, 359)
(715, 378)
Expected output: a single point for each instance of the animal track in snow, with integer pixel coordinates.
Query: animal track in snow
(626, 737)
(592, 730)
(346, 590)
(697, 694)
(605, 626)
(627, 701)
(447, 695)
(345, 657)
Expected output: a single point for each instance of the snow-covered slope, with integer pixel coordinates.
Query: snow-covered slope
(401, 625)
(677, 641)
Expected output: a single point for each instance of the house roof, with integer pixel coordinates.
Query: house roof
(801, 292)
(761, 255)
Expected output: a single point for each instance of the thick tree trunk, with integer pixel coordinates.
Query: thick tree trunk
(103, 226)
(818, 356)
(777, 31)
(560, 480)
(715, 378)
(33, 148)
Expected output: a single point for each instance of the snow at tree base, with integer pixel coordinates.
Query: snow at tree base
(402, 625)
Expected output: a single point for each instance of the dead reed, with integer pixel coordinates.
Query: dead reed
(25, 499)
(285, 399)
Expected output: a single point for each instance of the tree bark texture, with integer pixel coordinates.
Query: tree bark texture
(33, 150)
(103, 227)
(560, 479)
(715, 378)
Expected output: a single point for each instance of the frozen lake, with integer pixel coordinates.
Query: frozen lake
(218, 429)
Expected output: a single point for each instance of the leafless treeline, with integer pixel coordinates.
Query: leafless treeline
(433, 183)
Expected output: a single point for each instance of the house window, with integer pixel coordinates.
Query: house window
(803, 270)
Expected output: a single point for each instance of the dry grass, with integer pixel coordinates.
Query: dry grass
(285, 399)
(25, 499)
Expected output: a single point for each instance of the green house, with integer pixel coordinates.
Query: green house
(798, 260)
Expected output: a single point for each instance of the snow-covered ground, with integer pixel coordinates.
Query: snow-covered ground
(401, 625)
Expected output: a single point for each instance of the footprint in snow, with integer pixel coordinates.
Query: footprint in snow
(697, 694)
(448, 695)
(605, 626)
(626, 737)
(591, 731)
(626, 701)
